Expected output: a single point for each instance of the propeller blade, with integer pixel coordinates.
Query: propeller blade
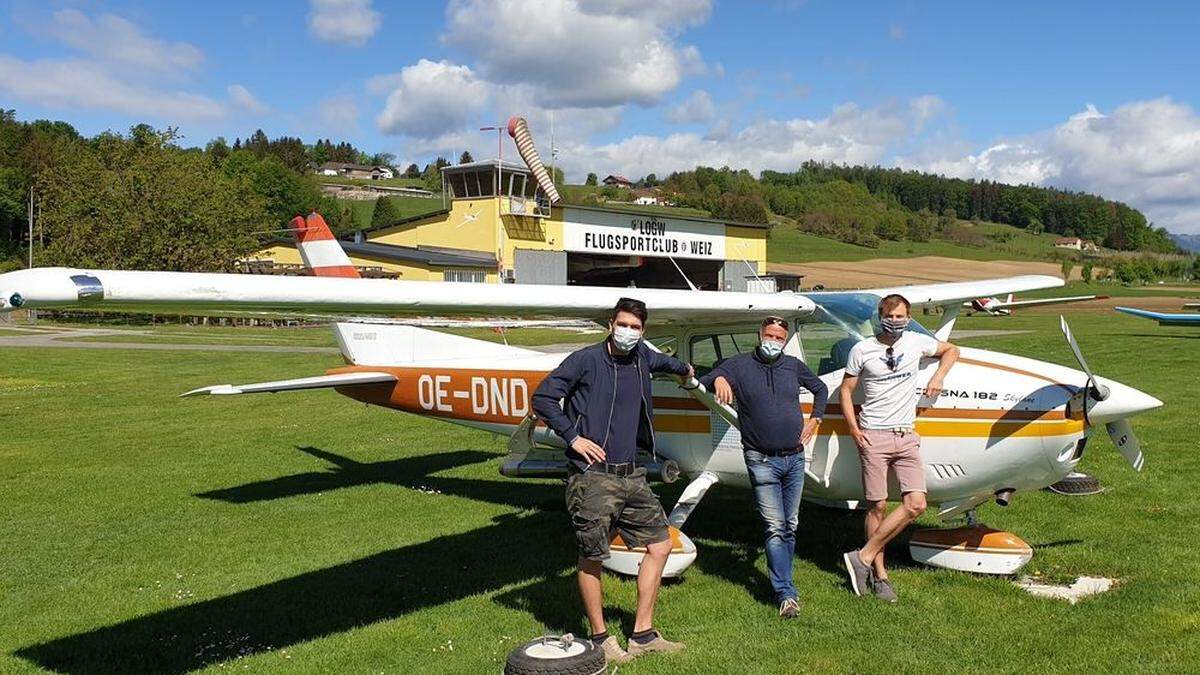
(1101, 391)
(1121, 433)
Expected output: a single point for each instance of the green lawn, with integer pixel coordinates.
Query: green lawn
(363, 209)
(305, 532)
(789, 245)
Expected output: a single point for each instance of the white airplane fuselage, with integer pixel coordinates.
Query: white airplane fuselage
(1002, 422)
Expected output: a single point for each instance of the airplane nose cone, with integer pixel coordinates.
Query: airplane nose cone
(1123, 401)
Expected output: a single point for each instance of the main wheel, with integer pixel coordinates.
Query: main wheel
(551, 655)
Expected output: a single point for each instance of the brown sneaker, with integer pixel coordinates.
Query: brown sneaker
(658, 644)
(613, 652)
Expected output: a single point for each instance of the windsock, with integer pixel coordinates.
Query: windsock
(319, 249)
(519, 130)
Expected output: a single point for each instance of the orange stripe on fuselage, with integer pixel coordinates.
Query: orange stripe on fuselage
(504, 397)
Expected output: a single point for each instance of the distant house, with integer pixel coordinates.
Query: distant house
(355, 170)
(1069, 242)
(646, 197)
(618, 181)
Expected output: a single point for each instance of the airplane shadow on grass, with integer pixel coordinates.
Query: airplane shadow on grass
(533, 549)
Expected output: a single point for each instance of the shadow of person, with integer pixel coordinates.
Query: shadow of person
(515, 549)
(554, 601)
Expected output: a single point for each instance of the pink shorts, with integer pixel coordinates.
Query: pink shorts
(899, 450)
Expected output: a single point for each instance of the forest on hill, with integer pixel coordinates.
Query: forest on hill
(864, 205)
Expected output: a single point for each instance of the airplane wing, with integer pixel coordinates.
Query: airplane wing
(952, 293)
(173, 292)
(303, 383)
(1044, 301)
(1162, 318)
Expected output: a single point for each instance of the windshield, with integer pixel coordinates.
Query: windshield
(844, 320)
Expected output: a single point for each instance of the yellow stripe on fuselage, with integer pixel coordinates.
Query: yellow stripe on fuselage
(983, 428)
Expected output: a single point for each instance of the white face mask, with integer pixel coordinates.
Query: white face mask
(771, 349)
(625, 338)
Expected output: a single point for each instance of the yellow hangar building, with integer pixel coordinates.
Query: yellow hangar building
(497, 226)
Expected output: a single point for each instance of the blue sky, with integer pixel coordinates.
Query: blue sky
(1080, 95)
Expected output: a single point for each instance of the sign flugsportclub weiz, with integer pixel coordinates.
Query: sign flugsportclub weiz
(587, 231)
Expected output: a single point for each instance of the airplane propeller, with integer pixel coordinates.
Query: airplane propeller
(1118, 427)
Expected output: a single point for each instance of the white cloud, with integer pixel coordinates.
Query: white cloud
(348, 22)
(242, 99)
(78, 84)
(694, 109)
(432, 98)
(114, 40)
(584, 53)
(1145, 153)
(849, 134)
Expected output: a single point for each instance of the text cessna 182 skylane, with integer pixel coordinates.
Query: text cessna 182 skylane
(1003, 423)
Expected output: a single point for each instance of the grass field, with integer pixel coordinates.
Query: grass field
(305, 532)
(789, 245)
(363, 209)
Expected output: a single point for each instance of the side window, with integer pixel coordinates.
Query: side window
(667, 344)
(709, 350)
(826, 346)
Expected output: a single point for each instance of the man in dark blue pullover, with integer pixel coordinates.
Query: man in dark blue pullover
(766, 384)
(598, 401)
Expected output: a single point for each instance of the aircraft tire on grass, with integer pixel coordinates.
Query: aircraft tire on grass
(556, 656)
(1077, 484)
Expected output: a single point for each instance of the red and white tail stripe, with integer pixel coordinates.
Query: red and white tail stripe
(320, 249)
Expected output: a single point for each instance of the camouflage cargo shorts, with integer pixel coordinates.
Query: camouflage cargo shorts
(600, 502)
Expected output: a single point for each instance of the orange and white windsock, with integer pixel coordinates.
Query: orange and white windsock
(519, 130)
(319, 249)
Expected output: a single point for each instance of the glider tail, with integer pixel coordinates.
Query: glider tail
(320, 249)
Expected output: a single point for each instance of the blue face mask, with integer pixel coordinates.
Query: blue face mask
(771, 349)
(893, 327)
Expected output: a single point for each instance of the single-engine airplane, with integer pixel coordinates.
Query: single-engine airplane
(997, 307)
(1163, 319)
(1003, 424)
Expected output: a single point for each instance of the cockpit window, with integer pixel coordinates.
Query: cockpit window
(709, 350)
(844, 320)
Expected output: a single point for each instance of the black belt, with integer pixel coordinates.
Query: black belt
(618, 469)
(778, 453)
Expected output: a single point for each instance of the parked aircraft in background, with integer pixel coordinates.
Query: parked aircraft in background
(998, 307)
(1162, 318)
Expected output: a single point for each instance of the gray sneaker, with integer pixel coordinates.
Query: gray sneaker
(613, 652)
(860, 573)
(883, 590)
(789, 608)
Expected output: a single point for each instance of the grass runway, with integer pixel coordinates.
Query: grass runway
(308, 533)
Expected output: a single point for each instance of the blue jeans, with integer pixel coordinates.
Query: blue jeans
(778, 484)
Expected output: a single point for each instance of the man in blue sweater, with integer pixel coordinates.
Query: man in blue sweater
(766, 384)
(598, 401)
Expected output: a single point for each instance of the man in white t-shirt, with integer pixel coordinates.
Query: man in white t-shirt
(884, 431)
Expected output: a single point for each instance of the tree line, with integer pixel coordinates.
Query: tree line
(140, 201)
(864, 205)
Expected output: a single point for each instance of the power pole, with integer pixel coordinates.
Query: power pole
(29, 218)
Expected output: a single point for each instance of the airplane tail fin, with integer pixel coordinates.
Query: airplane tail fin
(1010, 297)
(320, 249)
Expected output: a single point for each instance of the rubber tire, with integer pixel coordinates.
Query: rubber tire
(590, 662)
(1076, 486)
